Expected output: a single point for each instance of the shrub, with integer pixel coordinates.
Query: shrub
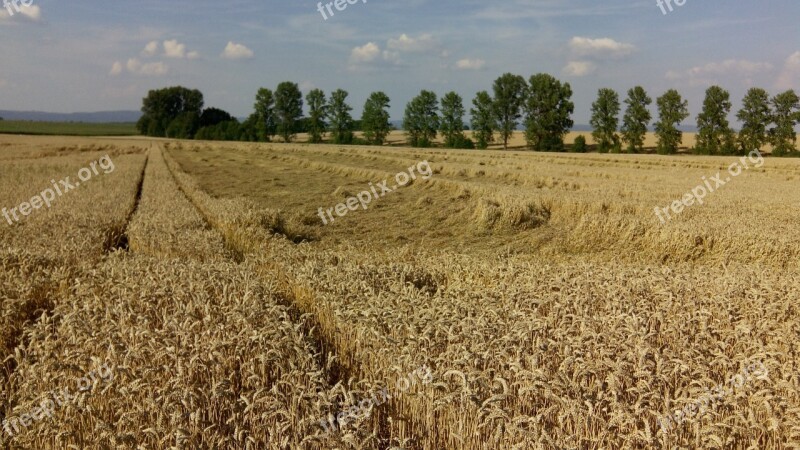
(580, 145)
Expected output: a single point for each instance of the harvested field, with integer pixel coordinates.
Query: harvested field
(510, 300)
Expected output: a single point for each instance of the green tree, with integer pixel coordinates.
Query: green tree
(672, 110)
(548, 112)
(213, 116)
(580, 144)
(421, 119)
(785, 115)
(452, 124)
(228, 130)
(288, 109)
(317, 111)
(163, 106)
(265, 112)
(184, 126)
(605, 120)
(509, 96)
(637, 117)
(375, 120)
(755, 116)
(248, 130)
(714, 134)
(341, 122)
(483, 121)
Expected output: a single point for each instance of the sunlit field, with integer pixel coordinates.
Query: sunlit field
(194, 297)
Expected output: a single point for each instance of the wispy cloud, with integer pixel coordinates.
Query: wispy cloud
(405, 43)
(470, 64)
(600, 48)
(712, 72)
(790, 74)
(147, 69)
(151, 49)
(579, 68)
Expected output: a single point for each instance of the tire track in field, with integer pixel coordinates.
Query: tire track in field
(117, 236)
(299, 300)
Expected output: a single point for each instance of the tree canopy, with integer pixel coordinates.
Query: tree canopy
(548, 113)
(176, 104)
(421, 119)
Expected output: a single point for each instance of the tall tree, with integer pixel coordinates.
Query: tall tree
(375, 120)
(548, 113)
(637, 117)
(672, 110)
(317, 111)
(421, 119)
(483, 121)
(288, 109)
(452, 123)
(509, 96)
(163, 106)
(265, 112)
(339, 115)
(755, 116)
(714, 134)
(605, 120)
(785, 115)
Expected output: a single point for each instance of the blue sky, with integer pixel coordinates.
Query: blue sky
(91, 55)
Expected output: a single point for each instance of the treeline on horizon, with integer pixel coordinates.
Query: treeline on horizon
(541, 104)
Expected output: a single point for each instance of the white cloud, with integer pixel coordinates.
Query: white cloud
(133, 65)
(710, 73)
(174, 49)
(148, 69)
(32, 13)
(470, 64)
(366, 53)
(116, 68)
(579, 68)
(600, 48)
(236, 51)
(404, 43)
(3, 83)
(150, 49)
(790, 75)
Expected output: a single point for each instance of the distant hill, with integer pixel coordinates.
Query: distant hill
(86, 117)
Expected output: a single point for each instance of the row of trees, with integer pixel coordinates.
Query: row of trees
(764, 120)
(542, 104)
(543, 100)
(177, 112)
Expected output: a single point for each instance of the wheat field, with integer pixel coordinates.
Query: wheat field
(550, 306)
